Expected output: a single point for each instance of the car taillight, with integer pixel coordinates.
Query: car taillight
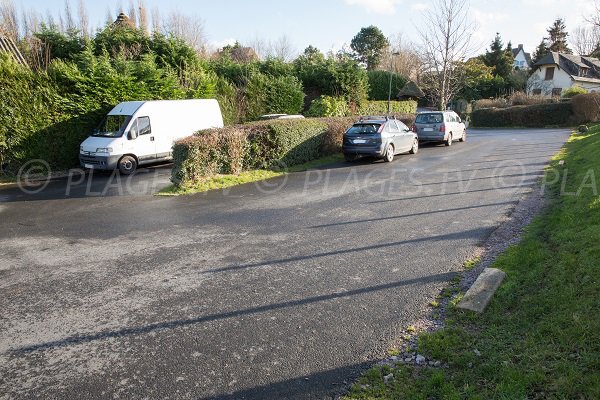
(442, 128)
(413, 128)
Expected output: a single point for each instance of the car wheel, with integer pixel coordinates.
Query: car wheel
(464, 137)
(415, 147)
(389, 153)
(127, 165)
(449, 141)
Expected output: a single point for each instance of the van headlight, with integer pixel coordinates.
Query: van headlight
(104, 150)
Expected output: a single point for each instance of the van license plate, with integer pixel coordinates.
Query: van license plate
(88, 165)
(428, 129)
(359, 141)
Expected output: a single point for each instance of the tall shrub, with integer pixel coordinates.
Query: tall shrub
(379, 84)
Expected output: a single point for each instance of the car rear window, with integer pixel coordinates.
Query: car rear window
(429, 119)
(358, 129)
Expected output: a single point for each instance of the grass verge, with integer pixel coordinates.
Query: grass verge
(540, 336)
(225, 181)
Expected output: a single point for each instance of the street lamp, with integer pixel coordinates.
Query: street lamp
(391, 74)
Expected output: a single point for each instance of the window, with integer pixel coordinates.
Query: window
(556, 91)
(141, 126)
(549, 73)
(537, 92)
(583, 71)
(393, 127)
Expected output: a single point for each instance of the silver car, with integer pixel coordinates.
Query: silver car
(440, 126)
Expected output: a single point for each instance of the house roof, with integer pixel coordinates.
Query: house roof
(573, 65)
(411, 90)
(516, 51)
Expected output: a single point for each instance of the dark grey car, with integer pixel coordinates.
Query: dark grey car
(381, 137)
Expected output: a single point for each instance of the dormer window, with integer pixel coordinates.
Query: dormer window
(583, 71)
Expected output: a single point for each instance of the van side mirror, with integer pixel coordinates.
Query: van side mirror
(132, 135)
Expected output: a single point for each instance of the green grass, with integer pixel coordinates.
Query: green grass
(540, 336)
(225, 181)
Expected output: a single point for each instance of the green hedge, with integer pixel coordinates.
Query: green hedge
(538, 115)
(380, 107)
(379, 84)
(265, 144)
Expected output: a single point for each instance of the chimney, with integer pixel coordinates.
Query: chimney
(520, 46)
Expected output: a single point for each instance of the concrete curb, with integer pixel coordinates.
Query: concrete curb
(479, 295)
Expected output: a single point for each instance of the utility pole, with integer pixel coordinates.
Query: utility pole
(391, 75)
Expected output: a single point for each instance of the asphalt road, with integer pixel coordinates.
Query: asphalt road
(284, 289)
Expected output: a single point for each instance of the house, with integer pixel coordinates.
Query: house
(522, 59)
(556, 72)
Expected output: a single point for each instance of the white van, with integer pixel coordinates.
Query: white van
(141, 132)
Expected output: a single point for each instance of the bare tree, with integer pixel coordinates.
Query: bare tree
(445, 40)
(186, 27)
(9, 23)
(156, 20)
(406, 58)
(142, 16)
(84, 22)
(31, 23)
(585, 39)
(69, 22)
(110, 18)
(259, 46)
(594, 18)
(132, 13)
(283, 48)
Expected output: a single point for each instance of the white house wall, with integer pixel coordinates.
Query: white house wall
(561, 80)
(589, 86)
(521, 58)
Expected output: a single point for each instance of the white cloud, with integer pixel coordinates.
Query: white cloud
(376, 6)
(420, 6)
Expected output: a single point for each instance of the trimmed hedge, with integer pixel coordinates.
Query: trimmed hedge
(380, 107)
(264, 144)
(533, 116)
(586, 107)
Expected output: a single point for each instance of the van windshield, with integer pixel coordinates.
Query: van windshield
(112, 126)
(429, 119)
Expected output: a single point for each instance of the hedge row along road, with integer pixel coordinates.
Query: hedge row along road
(255, 292)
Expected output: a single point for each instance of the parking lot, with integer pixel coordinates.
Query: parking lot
(281, 289)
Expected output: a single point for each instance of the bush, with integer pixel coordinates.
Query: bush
(586, 107)
(379, 84)
(333, 138)
(538, 115)
(265, 144)
(380, 107)
(328, 106)
(573, 91)
(273, 95)
(211, 152)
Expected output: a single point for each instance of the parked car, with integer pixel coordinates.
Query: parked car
(280, 116)
(440, 126)
(141, 132)
(382, 137)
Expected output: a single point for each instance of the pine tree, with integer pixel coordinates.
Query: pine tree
(540, 51)
(557, 36)
(499, 58)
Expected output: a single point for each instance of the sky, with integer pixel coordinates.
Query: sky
(331, 24)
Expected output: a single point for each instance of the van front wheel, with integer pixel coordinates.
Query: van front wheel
(127, 165)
